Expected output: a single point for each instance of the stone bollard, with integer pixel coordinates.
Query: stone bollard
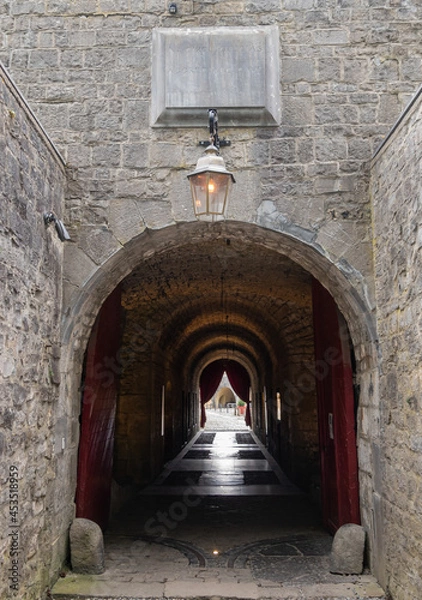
(348, 550)
(86, 547)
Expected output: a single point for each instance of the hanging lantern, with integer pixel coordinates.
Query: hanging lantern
(211, 182)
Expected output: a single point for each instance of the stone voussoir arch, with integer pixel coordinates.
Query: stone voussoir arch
(215, 355)
(345, 284)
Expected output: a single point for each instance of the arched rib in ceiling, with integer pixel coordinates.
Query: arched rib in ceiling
(240, 326)
(250, 349)
(219, 296)
(216, 355)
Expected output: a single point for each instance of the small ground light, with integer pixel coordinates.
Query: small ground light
(215, 552)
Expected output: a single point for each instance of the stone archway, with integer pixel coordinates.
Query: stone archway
(223, 397)
(239, 379)
(348, 293)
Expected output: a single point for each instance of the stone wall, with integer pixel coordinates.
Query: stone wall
(397, 198)
(347, 70)
(31, 182)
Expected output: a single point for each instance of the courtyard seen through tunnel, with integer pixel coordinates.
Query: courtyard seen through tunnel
(160, 345)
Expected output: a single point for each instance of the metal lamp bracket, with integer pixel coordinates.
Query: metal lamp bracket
(222, 142)
(214, 139)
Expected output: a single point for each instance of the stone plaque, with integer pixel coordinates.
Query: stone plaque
(235, 70)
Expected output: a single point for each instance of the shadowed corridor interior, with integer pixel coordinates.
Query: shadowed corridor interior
(180, 313)
(221, 519)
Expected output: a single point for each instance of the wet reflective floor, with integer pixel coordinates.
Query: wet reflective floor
(221, 520)
(225, 463)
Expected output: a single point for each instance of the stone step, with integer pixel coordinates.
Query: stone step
(286, 595)
(365, 589)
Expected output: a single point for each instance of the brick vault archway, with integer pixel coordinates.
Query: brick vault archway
(176, 243)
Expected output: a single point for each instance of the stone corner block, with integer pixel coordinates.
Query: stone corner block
(347, 551)
(78, 267)
(86, 547)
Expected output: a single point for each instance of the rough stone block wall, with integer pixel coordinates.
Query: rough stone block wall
(294, 439)
(397, 197)
(347, 70)
(32, 181)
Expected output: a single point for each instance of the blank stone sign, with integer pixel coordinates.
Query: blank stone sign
(232, 69)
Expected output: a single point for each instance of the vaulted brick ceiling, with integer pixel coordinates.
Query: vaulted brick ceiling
(220, 295)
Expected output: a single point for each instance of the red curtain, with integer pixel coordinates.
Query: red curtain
(240, 382)
(96, 444)
(208, 384)
(211, 377)
(336, 413)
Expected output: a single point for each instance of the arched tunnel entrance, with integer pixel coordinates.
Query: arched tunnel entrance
(186, 308)
(239, 379)
(164, 337)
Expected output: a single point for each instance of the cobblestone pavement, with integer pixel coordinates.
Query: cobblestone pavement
(224, 420)
(212, 526)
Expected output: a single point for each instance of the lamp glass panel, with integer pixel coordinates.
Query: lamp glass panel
(209, 192)
(218, 184)
(199, 192)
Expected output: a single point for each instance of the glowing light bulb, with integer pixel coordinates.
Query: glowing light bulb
(211, 187)
(215, 552)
